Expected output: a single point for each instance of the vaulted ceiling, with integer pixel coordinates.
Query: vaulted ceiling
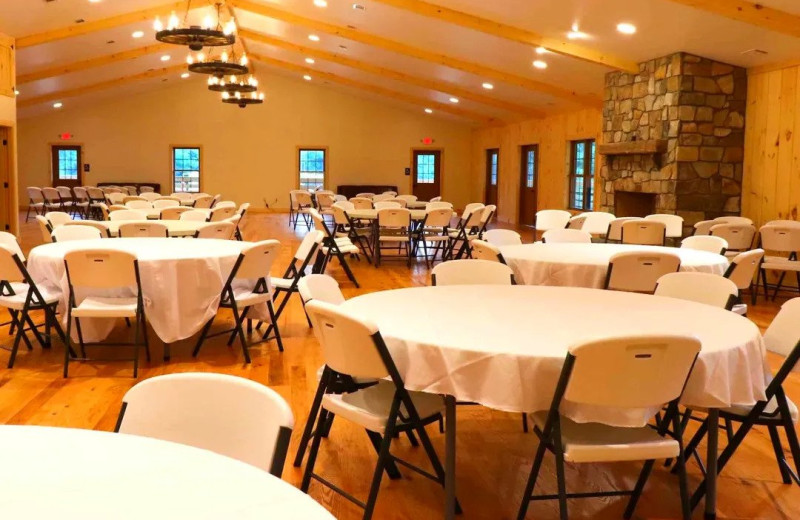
(414, 53)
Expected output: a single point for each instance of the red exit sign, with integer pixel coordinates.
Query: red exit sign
(427, 140)
(66, 136)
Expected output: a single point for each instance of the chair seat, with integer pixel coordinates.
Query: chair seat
(595, 442)
(393, 238)
(17, 301)
(358, 380)
(778, 263)
(281, 283)
(100, 307)
(36, 204)
(740, 309)
(369, 407)
(470, 236)
(246, 298)
(345, 246)
(770, 412)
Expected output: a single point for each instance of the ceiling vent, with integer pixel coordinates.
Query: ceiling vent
(754, 52)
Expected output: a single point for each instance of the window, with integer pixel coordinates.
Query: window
(313, 164)
(426, 168)
(530, 166)
(493, 155)
(581, 175)
(67, 164)
(186, 169)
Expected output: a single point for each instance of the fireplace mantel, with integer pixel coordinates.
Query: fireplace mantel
(650, 147)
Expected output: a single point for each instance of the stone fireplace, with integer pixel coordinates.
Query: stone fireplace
(675, 132)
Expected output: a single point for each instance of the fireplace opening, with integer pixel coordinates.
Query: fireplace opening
(634, 204)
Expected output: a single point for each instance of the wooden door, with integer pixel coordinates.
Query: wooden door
(492, 173)
(528, 182)
(427, 179)
(5, 179)
(67, 166)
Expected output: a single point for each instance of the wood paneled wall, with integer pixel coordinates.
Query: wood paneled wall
(8, 137)
(553, 135)
(771, 185)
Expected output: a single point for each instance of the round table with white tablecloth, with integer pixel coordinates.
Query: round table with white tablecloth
(83, 474)
(586, 265)
(175, 228)
(181, 280)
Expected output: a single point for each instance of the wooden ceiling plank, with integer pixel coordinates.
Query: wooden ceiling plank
(103, 85)
(751, 13)
(381, 91)
(79, 29)
(439, 86)
(99, 61)
(414, 52)
(509, 32)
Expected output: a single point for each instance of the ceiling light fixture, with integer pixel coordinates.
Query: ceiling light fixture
(626, 28)
(541, 50)
(58, 104)
(165, 57)
(359, 7)
(576, 34)
(237, 98)
(488, 86)
(429, 111)
(209, 34)
(313, 37)
(16, 92)
(454, 100)
(185, 75)
(320, 3)
(307, 77)
(539, 64)
(137, 34)
(310, 61)
(232, 84)
(223, 65)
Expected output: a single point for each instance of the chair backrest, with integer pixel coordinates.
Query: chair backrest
(150, 196)
(393, 217)
(438, 218)
(130, 189)
(630, 372)
(556, 236)
(644, 232)
(225, 204)
(436, 199)
(115, 197)
(361, 203)
(95, 194)
(104, 210)
(81, 195)
(783, 223)
(470, 208)
(9, 241)
(320, 287)
(744, 221)
(200, 216)
(130, 198)
(744, 268)
(57, 218)
(780, 239)
(577, 222)
(101, 268)
(340, 214)
(303, 198)
(673, 223)
(347, 342)
(388, 204)
(382, 197)
(390, 192)
(547, 219)
(146, 189)
(35, 194)
(308, 245)
(402, 202)
(345, 205)
(324, 200)
(472, 272)
(407, 198)
(439, 205)
(100, 226)
(474, 219)
(219, 230)
(782, 335)
(44, 228)
(704, 227)
(10, 260)
(711, 289)
(138, 204)
(368, 195)
(228, 415)
(502, 237)
(166, 203)
(639, 271)
(597, 222)
(51, 195)
(127, 214)
(255, 261)
(117, 207)
(64, 192)
(143, 229)
(615, 228)
(203, 201)
(218, 214)
(488, 212)
(739, 236)
(173, 213)
(76, 232)
(707, 243)
(339, 198)
(482, 250)
(243, 207)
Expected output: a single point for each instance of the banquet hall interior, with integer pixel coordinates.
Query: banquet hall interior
(395, 259)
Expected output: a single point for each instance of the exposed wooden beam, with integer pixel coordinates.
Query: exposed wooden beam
(749, 12)
(103, 85)
(415, 52)
(79, 29)
(400, 96)
(100, 61)
(509, 32)
(439, 86)
(240, 39)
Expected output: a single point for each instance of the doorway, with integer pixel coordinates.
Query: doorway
(426, 174)
(5, 179)
(492, 168)
(528, 182)
(67, 166)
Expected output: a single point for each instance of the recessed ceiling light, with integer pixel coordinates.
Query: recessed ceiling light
(307, 77)
(359, 7)
(320, 3)
(165, 57)
(94, 1)
(16, 92)
(58, 105)
(454, 100)
(626, 28)
(576, 34)
(429, 111)
(310, 61)
(488, 86)
(541, 50)
(137, 34)
(313, 37)
(185, 75)
(539, 64)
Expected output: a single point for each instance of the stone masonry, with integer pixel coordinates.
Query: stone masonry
(698, 106)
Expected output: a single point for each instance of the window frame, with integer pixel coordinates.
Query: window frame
(587, 175)
(325, 168)
(172, 170)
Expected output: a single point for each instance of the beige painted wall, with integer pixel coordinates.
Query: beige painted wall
(248, 154)
(552, 134)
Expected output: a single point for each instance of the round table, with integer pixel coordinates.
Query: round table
(175, 228)
(69, 473)
(585, 265)
(181, 280)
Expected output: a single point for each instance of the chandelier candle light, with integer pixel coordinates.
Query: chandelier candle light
(224, 65)
(233, 84)
(237, 98)
(209, 34)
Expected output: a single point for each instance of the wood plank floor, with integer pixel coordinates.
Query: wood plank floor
(494, 456)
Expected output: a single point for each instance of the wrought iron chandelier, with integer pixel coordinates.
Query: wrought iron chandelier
(232, 84)
(209, 34)
(223, 65)
(242, 100)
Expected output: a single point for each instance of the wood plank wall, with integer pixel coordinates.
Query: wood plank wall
(552, 134)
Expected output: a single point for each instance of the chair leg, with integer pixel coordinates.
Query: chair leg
(69, 345)
(19, 335)
(146, 341)
(764, 283)
(383, 457)
(686, 510)
(238, 320)
(562, 483)
(637, 490)
(525, 423)
(202, 338)
(309, 428)
(433, 457)
(391, 468)
(136, 348)
(312, 455)
(537, 464)
(778, 286)
(779, 456)
(274, 319)
(347, 270)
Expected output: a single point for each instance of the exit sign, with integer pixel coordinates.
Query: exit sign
(66, 136)
(427, 140)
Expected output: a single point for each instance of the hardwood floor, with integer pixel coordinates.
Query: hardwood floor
(494, 455)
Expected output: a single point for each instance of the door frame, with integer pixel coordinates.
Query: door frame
(82, 161)
(523, 174)
(441, 167)
(12, 192)
(486, 182)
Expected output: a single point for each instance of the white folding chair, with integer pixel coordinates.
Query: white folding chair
(382, 197)
(482, 250)
(57, 218)
(174, 213)
(435, 230)
(99, 226)
(194, 215)
(708, 243)
(229, 415)
(743, 271)
(218, 214)
(673, 223)
(44, 228)
(166, 203)
(402, 202)
(35, 201)
(76, 232)
(407, 198)
(548, 219)
(361, 203)
(635, 372)
(438, 205)
(143, 229)
(387, 204)
(639, 271)
(784, 241)
(560, 236)
(468, 228)
(333, 246)
(595, 222)
(502, 237)
(67, 199)
(216, 230)
(644, 232)
(203, 202)
(707, 288)
(741, 221)
(615, 228)
(81, 202)
(146, 189)
(394, 231)
(472, 272)
(127, 214)
(739, 236)
(152, 197)
(301, 202)
(703, 227)
(52, 200)
(368, 195)
(138, 204)
(225, 204)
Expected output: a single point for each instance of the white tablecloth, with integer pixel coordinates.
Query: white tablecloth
(585, 265)
(175, 228)
(181, 280)
(82, 474)
(504, 346)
